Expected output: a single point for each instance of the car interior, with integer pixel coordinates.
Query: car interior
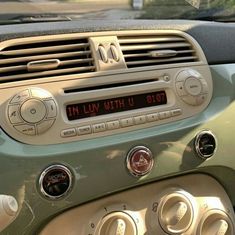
(117, 127)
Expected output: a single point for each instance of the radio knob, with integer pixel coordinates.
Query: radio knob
(191, 87)
(117, 223)
(32, 111)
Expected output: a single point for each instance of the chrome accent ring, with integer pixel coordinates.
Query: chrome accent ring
(128, 161)
(46, 171)
(196, 144)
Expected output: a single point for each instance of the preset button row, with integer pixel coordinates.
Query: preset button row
(122, 123)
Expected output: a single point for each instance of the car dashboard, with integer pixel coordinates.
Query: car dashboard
(120, 127)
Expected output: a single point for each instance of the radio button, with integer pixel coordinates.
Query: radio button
(182, 76)
(13, 114)
(68, 133)
(193, 86)
(140, 119)
(20, 97)
(51, 107)
(190, 100)
(26, 129)
(176, 112)
(40, 93)
(127, 122)
(99, 127)
(204, 86)
(164, 115)
(152, 117)
(113, 125)
(84, 130)
(201, 98)
(33, 111)
(44, 126)
(180, 89)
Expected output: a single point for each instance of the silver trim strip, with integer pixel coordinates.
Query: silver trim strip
(128, 161)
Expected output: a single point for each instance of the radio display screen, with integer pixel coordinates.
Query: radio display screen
(114, 105)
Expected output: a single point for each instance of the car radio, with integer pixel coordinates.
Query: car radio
(69, 110)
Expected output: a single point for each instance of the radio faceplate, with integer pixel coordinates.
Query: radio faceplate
(159, 99)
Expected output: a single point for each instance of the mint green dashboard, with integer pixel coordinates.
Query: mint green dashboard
(75, 173)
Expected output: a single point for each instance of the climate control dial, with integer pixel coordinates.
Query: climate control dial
(118, 223)
(176, 212)
(191, 87)
(216, 222)
(32, 111)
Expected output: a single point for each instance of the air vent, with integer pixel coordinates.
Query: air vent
(150, 50)
(45, 57)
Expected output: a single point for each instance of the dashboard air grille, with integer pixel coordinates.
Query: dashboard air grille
(45, 58)
(150, 50)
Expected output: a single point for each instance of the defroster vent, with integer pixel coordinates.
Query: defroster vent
(151, 50)
(41, 57)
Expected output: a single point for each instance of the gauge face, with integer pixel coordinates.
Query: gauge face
(55, 181)
(205, 144)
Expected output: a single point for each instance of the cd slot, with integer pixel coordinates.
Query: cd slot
(106, 86)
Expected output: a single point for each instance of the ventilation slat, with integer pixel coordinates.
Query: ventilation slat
(144, 62)
(62, 63)
(12, 69)
(73, 62)
(44, 57)
(43, 49)
(47, 73)
(150, 40)
(151, 50)
(148, 54)
(154, 46)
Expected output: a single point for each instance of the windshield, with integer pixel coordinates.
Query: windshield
(60, 10)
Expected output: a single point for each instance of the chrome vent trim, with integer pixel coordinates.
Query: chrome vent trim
(74, 56)
(151, 50)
